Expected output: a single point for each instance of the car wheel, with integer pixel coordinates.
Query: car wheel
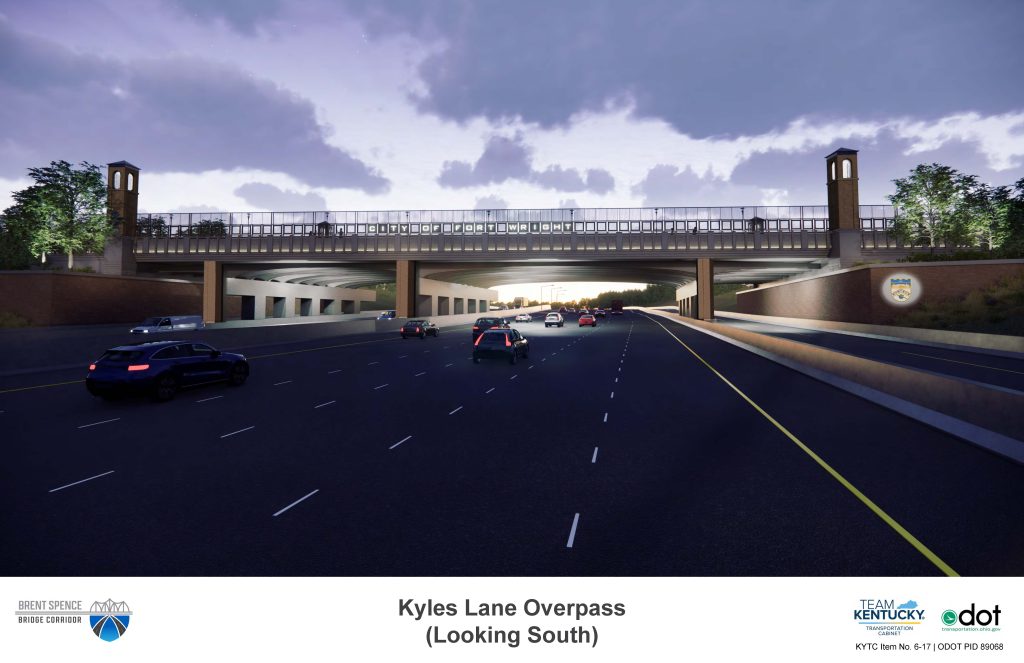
(166, 387)
(561, 324)
(515, 356)
(403, 337)
(423, 336)
(476, 360)
(239, 374)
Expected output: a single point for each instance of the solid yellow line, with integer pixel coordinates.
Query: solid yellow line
(39, 386)
(889, 520)
(967, 363)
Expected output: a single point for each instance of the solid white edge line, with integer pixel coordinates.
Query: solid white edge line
(296, 502)
(237, 432)
(324, 404)
(107, 421)
(405, 439)
(572, 532)
(82, 481)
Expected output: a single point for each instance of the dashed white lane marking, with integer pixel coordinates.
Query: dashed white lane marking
(237, 432)
(402, 356)
(404, 439)
(304, 497)
(544, 359)
(616, 380)
(75, 483)
(372, 363)
(530, 368)
(426, 351)
(337, 370)
(594, 459)
(489, 390)
(211, 398)
(445, 347)
(105, 421)
(447, 365)
(278, 384)
(613, 395)
(317, 407)
(572, 532)
(455, 410)
(419, 374)
(381, 386)
(605, 417)
(620, 369)
(514, 376)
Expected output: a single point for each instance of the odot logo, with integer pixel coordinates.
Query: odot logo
(109, 619)
(971, 619)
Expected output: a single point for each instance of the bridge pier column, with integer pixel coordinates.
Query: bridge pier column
(705, 289)
(406, 281)
(213, 291)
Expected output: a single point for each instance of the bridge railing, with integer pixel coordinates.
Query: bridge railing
(673, 228)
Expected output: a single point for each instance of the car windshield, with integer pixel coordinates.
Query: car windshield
(415, 323)
(493, 339)
(150, 322)
(488, 322)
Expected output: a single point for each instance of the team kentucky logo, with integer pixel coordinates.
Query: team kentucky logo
(900, 289)
(109, 619)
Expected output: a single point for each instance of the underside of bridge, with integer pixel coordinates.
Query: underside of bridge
(434, 283)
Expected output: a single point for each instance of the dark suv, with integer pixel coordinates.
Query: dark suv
(507, 344)
(483, 324)
(162, 368)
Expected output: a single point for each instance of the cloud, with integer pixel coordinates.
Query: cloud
(491, 202)
(269, 197)
(569, 203)
(506, 159)
(242, 15)
(172, 114)
(668, 186)
(708, 68)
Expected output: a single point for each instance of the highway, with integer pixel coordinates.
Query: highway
(641, 447)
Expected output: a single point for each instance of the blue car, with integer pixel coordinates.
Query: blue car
(160, 369)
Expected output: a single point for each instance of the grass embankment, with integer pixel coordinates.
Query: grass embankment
(998, 309)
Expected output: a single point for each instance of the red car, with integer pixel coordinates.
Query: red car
(588, 320)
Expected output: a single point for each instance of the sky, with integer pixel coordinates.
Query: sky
(282, 105)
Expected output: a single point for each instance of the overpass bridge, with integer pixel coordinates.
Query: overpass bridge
(445, 260)
(487, 248)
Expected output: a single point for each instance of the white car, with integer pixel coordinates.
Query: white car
(524, 317)
(554, 319)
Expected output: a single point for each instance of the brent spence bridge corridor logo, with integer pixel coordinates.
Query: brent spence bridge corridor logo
(887, 616)
(107, 619)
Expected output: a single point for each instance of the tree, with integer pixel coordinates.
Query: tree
(151, 226)
(65, 210)
(933, 204)
(1007, 209)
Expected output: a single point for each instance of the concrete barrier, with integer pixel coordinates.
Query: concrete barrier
(996, 342)
(990, 408)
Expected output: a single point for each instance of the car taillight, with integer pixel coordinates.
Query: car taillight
(418, 330)
(138, 367)
(508, 343)
(92, 367)
(478, 339)
(475, 328)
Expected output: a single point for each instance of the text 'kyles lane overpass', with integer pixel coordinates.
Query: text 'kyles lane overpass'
(444, 261)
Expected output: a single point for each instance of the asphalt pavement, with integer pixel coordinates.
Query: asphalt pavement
(640, 447)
